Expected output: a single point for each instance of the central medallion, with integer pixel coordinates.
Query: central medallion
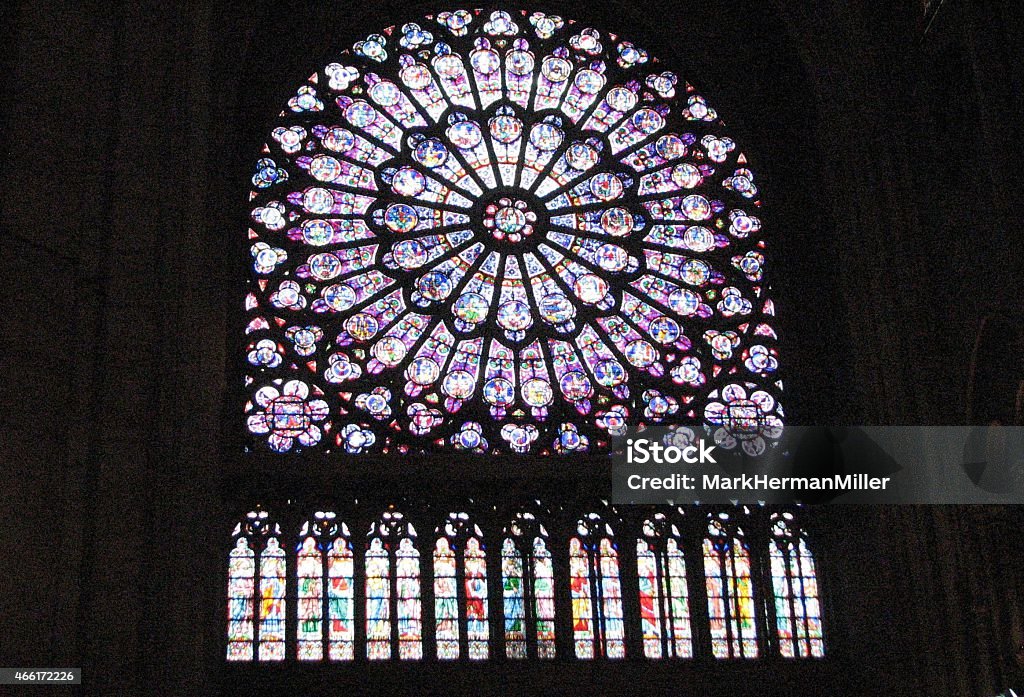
(509, 219)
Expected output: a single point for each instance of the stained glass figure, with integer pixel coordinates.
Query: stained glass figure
(664, 599)
(795, 586)
(324, 562)
(309, 572)
(446, 601)
(730, 590)
(241, 587)
(410, 610)
(582, 599)
(460, 589)
(544, 597)
(528, 589)
(598, 627)
(513, 601)
(256, 603)
(506, 233)
(273, 582)
(378, 601)
(475, 581)
(393, 571)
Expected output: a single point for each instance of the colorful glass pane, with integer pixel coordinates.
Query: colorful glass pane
(528, 583)
(477, 627)
(256, 591)
(795, 586)
(596, 589)
(544, 599)
(611, 601)
(241, 587)
(309, 572)
(513, 601)
(664, 599)
(730, 593)
(582, 603)
(324, 591)
(446, 607)
(324, 575)
(506, 235)
(650, 600)
(410, 626)
(378, 601)
(340, 605)
(273, 580)
(460, 590)
(678, 615)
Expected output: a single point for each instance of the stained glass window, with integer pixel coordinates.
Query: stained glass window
(320, 580)
(340, 600)
(664, 599)
(309, 572)
(528, 589)
(446, 601)
(390, 546)
(795, 585)
(378, 601)
(598, 627)
(460, 564)
(256, 590)
(324, 563)
(478, 629)
(513, 600)
(410, 626)
(582, 599)
(272, 601)
(503, 231)
(544, 598)
(730, 590)
(241, 570)
(241, 587)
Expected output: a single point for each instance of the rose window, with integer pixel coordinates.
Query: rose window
(504, 232)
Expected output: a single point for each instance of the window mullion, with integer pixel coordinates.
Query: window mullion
(461, 598)
(597, 606)
(665, 600)
(530, 626)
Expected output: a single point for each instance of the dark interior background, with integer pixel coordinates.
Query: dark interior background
(884, 138)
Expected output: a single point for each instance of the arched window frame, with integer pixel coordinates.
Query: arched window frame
(257, 590)
(528, 588)
(666, 622)
(793, 575)
(396, 606)
(461, 594)
(325, 597)
(730, 578)
(595, 578)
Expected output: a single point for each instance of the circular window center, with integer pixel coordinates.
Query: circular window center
(509, 219)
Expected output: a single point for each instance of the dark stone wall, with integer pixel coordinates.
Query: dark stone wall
(128, 131)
